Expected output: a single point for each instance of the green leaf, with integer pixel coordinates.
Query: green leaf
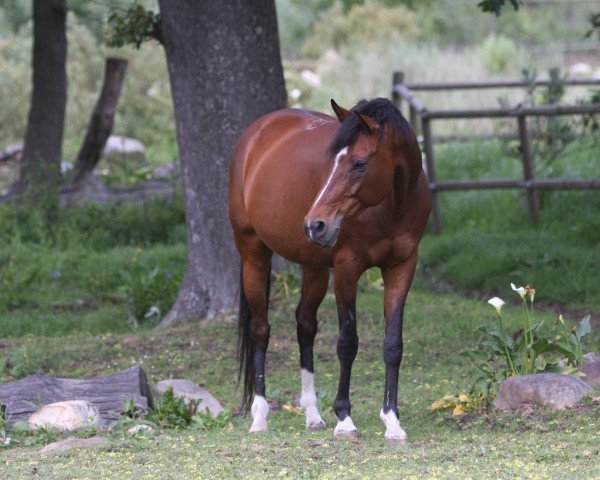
(479, 355)
(583, 327)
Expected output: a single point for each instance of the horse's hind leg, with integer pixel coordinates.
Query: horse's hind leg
(314, 287)
(256, 271)
(397, 282)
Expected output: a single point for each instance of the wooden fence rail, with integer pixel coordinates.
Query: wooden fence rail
(421, 119)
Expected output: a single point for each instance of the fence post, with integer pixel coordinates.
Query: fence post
(414, 120)
(430, 162)
(397, 78)
(527, 159)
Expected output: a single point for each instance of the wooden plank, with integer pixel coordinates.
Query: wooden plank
(526, 151)
(24, 397)
(542, 110)
(541, 184)
(432, 86)
(430, 163)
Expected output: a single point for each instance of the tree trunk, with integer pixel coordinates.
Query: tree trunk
(225, 70)
(103, 119)
(42, 152)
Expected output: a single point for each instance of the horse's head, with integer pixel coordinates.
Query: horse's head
(365, 159)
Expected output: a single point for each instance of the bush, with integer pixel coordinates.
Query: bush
(497, 53)
(151, 295)
(363, 24)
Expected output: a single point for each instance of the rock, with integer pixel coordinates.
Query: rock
(12, 152)
(70, 443)
(65, 416)
(141, 428)
(117, 146)
(542, 389)
(189, 391)
(587, 358)
(592, 373)
(167, 171)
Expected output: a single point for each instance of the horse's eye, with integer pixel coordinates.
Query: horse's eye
(359, 165)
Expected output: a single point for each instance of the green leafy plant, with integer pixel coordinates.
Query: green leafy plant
(22, 361)
(150, 295)
(172, 412)
(134, 26)
(204, 420)
(175, 413)
(14, 283)
(527, 351)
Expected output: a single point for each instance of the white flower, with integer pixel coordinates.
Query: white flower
(520, 290)
(497, 303)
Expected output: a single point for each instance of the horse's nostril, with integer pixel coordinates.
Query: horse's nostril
(319, 226)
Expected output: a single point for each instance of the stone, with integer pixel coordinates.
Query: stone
(189, 391)
(543, 389)
(117, 146)
(167, 171)
(65, 416)
(141, 428)
(69, 443)
(592, 373)
(587, 358)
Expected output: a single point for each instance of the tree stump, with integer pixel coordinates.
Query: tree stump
(22, 398)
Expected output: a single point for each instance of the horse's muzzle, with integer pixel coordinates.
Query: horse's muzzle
(322, 233)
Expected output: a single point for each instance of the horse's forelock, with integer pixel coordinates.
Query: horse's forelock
(382, 111)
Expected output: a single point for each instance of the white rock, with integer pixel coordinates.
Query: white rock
(140, 428)
(119, 146)
(189, 391)
(310, 77)
(65, 416)
(580, 69)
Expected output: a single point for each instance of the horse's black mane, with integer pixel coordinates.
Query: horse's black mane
(380, 109)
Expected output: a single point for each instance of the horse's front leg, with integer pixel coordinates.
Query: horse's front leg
(397, 281)
(314, 286)
(345, 284)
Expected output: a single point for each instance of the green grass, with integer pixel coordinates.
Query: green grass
(438, 327)
(488, 240)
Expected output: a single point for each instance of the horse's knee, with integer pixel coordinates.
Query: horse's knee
(347, 344)
(307, 330)
(392, 350)
(260, 333)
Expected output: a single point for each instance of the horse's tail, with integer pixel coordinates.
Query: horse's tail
(245, 347)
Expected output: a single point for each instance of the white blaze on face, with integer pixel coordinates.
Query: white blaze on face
(342, 153)
(308, 400)
(260, 412)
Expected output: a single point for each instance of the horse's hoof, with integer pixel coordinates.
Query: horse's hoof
(390, 441)
(351, 434)
(320, 425)
(257, 428)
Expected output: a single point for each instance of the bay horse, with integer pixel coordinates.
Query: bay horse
(349, 194)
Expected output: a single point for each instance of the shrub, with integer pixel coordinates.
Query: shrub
(497, 53)
(363, 24)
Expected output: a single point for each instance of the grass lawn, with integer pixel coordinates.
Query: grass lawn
(438, 328)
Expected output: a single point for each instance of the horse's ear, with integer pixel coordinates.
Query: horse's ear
(368, 124)
(341, 113)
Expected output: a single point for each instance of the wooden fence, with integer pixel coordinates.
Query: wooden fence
(421, 119)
